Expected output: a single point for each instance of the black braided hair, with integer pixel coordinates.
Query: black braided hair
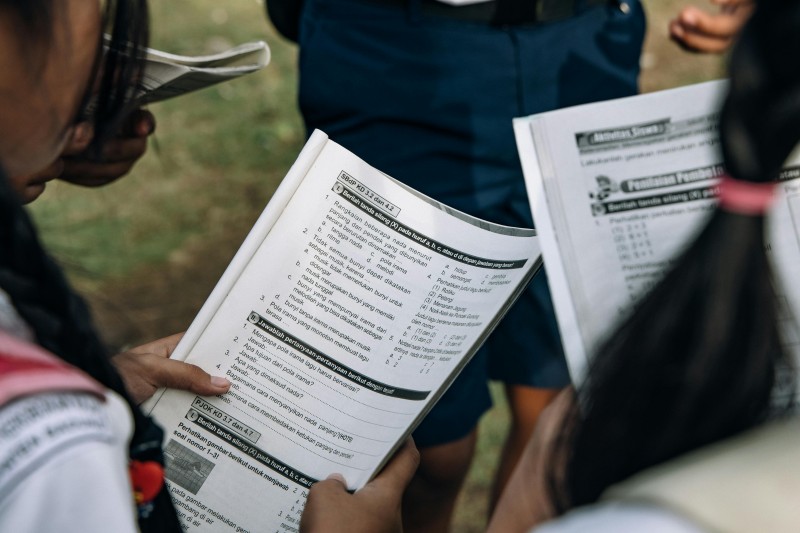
(697, 362)
(61, 322)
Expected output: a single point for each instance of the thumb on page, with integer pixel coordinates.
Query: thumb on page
(397, 473)
(189, 377)
(373, 509)
(147, 368)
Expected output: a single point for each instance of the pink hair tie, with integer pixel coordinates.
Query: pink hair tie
(745, 197)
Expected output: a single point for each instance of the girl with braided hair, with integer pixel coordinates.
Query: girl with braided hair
(71, 437)
(701, 362)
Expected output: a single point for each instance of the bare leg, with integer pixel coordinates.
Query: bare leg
(526, 501)
(431, 497)
(526, 404)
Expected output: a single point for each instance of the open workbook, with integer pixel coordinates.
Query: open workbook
(168, 75)
(346, 313)
(618, 188)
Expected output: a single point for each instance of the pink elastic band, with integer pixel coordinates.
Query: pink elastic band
(745, 197)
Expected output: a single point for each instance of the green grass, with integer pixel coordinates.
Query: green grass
(472, 508)
(216, 157)
(138, 247)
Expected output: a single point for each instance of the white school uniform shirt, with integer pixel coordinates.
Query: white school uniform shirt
(619, 517)
(63, 457)
(63, 464)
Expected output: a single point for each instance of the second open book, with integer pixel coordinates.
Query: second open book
(619, 188)
(350, 307)
(169, 75)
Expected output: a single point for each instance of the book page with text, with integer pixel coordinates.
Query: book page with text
(358, 308)
(618, 189)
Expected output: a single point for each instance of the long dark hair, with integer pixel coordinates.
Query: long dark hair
(38, 290)
(118, 67)
(698, 360)
(126, 25)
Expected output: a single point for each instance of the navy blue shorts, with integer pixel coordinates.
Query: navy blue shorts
(429, 101)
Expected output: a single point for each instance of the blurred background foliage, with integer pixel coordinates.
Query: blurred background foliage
(147, 250)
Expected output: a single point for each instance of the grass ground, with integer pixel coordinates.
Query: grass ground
(147, 250)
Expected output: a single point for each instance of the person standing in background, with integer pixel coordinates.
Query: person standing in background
(425, 90)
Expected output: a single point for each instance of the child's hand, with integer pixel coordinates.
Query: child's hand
(147, 368)
(698, 31)
(117, 158)
(373, 509)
